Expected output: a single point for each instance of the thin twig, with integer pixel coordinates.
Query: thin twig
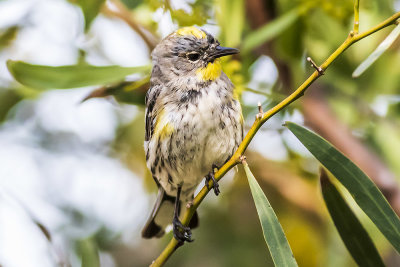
(319, 69)
(260, 111)
(237, 156)
(119, 10)
(356, 25)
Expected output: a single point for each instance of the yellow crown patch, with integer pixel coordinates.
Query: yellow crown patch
(199, 34)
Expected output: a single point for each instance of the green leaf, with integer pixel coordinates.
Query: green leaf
(185, 19)
(126, 92)
(47, 77)
(271, 29)
(273, 233)
(353, 234)
(8, 99)
(132, 4)
(8, 35)
(361, 188)
(89, 252)
(199, 14)
(231, 19)
(389, 40)
(90, 9)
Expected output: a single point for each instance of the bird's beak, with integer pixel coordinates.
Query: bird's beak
(221, 51)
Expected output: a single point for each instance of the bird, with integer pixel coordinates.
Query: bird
(193, 124)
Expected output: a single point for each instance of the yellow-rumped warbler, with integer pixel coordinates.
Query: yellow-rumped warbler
(194, 124)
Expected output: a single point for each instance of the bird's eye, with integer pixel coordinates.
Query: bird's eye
(193, 56)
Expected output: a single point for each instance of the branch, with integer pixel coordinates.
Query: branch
(118, 9)
(356, 25)
(235, 159)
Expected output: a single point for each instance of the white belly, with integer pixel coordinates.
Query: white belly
(206, 133)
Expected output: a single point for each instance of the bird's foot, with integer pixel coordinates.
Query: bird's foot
(181, 233)
(209, 177)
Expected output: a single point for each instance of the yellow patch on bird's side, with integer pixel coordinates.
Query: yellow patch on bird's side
(199, 34)
(235, 94)
(241, 119)
(163, 127)
(211, 72)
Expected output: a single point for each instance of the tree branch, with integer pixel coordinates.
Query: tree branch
(235, 159)
(119, 10)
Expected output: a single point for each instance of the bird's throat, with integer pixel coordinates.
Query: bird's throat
(210, 72)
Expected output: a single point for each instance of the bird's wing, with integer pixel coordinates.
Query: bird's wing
(151, 110)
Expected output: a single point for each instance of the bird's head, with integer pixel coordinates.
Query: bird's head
(191, 51)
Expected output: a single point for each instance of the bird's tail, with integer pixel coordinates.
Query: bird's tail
(162, 214)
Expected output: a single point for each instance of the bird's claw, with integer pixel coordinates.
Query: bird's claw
(181, 233)
(209, 177)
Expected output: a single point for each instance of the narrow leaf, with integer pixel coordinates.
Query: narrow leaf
(273, 233)
(231, 21)
(271, 30)
(353, 234)
(8, 35)
(90, 9)
(89, 252)
(73, 76)
(126, 92)
(360, 186)
(389, 40)
(8, 99)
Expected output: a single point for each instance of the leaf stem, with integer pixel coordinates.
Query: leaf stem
(236, 158)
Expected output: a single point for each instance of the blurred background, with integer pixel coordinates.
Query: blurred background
(74, 188)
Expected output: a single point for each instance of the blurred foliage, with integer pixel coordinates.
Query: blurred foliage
(46, 77)
(7, 36)
(90, 9)
(272, 30)
(89, 252)
(231, 18)
(8, 98)
(378, 52)
(287, 31)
